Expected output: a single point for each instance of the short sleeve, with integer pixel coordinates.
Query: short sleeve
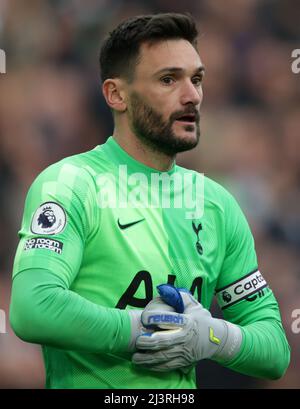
(56, 222)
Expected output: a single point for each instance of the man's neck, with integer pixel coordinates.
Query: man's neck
(143, 153)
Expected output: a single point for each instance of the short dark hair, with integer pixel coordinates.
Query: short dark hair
(120, 50)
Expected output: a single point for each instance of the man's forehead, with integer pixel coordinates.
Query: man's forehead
(168, 53)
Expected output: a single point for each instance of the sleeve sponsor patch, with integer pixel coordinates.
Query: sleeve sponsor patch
(50, 218)
(240, 289)
(44, 243)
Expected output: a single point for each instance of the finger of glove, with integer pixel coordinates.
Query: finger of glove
(135, 328)
(158, 304)
(171, 296)
(179, 298)
(189, 301)
(167, 359)
(161, 339)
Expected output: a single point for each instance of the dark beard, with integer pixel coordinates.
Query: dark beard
(148, 125)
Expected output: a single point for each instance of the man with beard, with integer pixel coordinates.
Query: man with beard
(127, 218)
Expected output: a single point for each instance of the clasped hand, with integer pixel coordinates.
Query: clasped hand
(175, 340)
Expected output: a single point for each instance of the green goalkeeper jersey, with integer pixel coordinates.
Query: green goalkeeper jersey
(100, 231)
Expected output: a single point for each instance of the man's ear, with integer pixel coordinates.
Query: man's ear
(114, 94)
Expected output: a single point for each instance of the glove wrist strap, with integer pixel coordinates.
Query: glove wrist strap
(231, 344)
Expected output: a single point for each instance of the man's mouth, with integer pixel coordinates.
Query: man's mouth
(187, 118)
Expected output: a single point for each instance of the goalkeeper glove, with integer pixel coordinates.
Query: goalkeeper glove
(136, 327)
(191, 336)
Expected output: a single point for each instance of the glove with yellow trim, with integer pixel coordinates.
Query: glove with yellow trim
(188, 336)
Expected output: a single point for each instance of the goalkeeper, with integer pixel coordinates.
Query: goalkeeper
(87, 266)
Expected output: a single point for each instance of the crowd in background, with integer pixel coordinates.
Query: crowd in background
(51, 107)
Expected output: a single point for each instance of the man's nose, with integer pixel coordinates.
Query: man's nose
(191, 94)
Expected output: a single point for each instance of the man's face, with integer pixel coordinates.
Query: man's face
(165, 96)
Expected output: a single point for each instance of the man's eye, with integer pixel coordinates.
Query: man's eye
(167, 80)
(197, 81)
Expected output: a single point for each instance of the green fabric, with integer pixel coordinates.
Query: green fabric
(78, 294)
(265, 352)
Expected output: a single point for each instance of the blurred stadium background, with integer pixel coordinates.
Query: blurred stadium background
(51, 106)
